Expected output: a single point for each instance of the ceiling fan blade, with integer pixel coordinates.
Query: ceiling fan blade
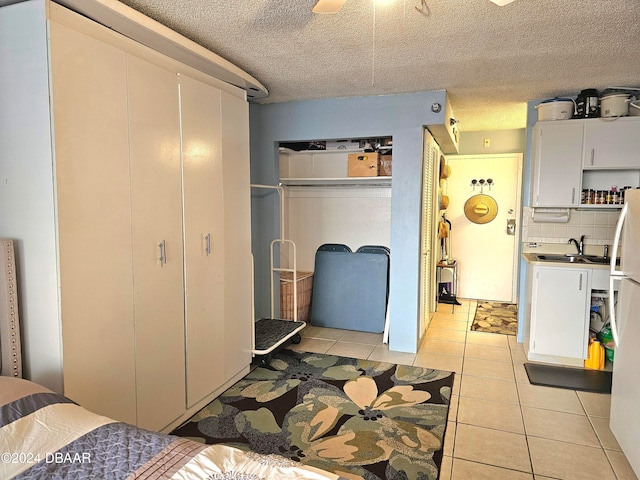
(501, 3)
(328, 6)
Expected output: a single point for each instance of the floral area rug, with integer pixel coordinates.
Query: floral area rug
(357, 418)
(496, 317)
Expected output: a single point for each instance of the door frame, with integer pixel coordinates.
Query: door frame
(519, 157)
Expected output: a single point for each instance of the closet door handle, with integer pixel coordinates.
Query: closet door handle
(163, 253)
(207, 239)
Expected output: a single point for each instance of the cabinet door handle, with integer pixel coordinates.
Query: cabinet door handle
(593, 156)
(207, 239)
(573, 195)
(580, 283)
(163, 253)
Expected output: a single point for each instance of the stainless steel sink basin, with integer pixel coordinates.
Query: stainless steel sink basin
(562, 258)
(570, 258)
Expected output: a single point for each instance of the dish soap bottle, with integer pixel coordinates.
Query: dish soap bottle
(595, 355)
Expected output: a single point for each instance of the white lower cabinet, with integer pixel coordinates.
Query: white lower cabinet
(560, 300)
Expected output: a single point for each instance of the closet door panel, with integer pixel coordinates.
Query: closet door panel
(89, 96)
(204, 238)
(237, 220)
(156, 205)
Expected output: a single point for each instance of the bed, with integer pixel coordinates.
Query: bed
(44, 435)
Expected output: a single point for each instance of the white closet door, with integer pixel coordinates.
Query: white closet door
(204, 239)
(156, 205)
(237, 212)
(89, 95)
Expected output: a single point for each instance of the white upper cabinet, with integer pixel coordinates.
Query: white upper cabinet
(557, 161)
(589, 154)
(612, 144)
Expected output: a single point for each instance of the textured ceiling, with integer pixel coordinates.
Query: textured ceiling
(490, 59)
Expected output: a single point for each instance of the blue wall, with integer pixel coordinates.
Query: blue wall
(401, 116)
(532, 118)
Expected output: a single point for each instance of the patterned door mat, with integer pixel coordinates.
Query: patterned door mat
(496, 317)
(357, 418)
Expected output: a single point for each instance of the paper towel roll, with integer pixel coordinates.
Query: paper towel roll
(550, 215)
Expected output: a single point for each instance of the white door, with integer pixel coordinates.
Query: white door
(486, 253)
(204, 238)
(156, 194)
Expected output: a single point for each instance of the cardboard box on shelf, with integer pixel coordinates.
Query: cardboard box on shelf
(385, 166)
(364, 164)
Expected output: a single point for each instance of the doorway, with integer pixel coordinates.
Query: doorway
(487, 253)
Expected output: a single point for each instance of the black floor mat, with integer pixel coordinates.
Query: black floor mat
(598, 381)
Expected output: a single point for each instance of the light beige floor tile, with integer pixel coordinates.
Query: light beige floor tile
(568, 461)
(520, 373)
(601, 426)
(453, 408)
(487, 352)
(444, 334)
(491, 339)
(620, 465)
(488, 368)
(445, 468)
(381, 353)
(313, 345)
(366, 338)
(518, 357)
(485, 413)
(565, 427)
(513, 342)
(449, 439)
(451, 317)
(434, 345)
(558, 399)
(351, 350)
(456, 384)
(449, 324)
(596, 404)
(437, 361)
(466, 470)
(489, 389)
(492, 447)
(323, 332)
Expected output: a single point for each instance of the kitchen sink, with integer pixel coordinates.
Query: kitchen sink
(569, 258)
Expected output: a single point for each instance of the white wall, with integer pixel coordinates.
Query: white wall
(597, 226)
(354, 216)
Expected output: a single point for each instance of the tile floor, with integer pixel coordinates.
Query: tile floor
(500, 427)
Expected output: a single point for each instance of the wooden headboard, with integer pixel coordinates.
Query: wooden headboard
(10, 349)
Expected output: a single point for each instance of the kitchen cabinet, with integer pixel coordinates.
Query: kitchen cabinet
(612, 144)
(560, 300)
(572, 155)
(136, 195)
(557, 160)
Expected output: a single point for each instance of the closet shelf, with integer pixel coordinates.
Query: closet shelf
(335, 182)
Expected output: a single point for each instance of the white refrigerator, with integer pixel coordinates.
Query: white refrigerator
(625, 326)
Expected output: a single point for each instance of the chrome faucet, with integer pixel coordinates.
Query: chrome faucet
(579, 245)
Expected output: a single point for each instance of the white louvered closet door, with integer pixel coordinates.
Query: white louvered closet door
(156, 205)
(429, 192)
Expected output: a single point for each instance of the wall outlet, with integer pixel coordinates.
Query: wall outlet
(487, 142)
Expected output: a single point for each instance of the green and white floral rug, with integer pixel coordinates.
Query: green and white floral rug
(356, 418)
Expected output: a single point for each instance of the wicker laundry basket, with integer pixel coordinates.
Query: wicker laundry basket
(305, 284)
